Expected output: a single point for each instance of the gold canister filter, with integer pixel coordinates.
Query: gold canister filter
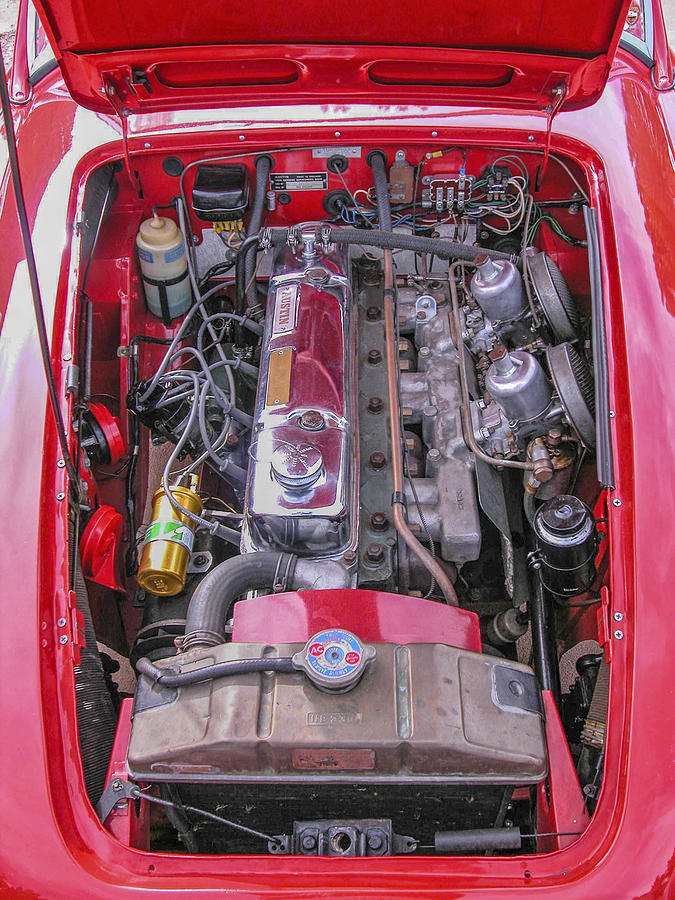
(168, 541)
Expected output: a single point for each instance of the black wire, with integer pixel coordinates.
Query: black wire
(35, 285)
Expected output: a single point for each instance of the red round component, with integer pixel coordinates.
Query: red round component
(99, 548)
(110, 426)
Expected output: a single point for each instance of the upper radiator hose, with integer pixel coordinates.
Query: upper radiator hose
(211, 602)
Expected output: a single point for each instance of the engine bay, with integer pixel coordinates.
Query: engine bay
(340, 511)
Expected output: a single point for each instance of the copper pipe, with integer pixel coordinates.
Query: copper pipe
(465, 408)
(435, 569)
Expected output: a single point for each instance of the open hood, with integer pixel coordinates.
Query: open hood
(147, 56)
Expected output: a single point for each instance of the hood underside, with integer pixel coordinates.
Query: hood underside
(150, 57)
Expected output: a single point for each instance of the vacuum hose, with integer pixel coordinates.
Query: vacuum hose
(219, 670)
(263, 164)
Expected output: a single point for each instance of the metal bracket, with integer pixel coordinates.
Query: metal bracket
(117, 789)
(517, 691)
(425, 307)
(349, 837)
(200, 561)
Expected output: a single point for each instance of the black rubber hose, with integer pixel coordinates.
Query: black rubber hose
(211, 601)
(395, 241)
(219, 670)
(478, 840)
(263, 164)
(277, 236)
(390, 240)
(246, 290)
(542, 623)
(377, 160)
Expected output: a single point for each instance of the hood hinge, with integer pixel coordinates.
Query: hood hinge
(557, 96)
(113, 96)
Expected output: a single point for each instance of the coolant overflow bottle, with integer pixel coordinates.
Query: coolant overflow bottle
(161, 254)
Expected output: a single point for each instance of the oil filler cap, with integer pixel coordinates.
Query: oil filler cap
(334, 659)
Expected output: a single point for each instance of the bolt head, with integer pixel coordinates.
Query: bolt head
(374, 357)
(61, 622)
(616, 502)
(618, 634)
(60, 495)
(375, 405)
(373, 313)
(374, 553)
(308, 842)
(63, 639)
(349, 557)
(377, 459)
(379, 522)
(618, 617)
(375, 841)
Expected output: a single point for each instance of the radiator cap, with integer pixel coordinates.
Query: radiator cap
(334, 659)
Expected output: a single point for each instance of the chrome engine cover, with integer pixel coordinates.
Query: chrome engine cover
(302, 492)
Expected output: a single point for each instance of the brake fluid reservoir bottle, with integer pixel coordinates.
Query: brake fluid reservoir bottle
(161, 253)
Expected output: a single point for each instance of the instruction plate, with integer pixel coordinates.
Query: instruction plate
(299, 181)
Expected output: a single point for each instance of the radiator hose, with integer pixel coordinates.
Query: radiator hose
(212, 601)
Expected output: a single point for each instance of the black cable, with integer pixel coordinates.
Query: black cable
(34, 284)
(141, 795)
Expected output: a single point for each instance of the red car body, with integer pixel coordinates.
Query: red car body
(51, 843)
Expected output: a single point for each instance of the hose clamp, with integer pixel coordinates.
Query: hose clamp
(281, 579)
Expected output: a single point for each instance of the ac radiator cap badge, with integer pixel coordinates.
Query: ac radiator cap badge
(334, 659)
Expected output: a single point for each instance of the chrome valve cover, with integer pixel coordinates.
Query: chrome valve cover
(302, 476)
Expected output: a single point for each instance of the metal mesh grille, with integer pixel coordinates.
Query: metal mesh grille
(584, 378)
(563, 292)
